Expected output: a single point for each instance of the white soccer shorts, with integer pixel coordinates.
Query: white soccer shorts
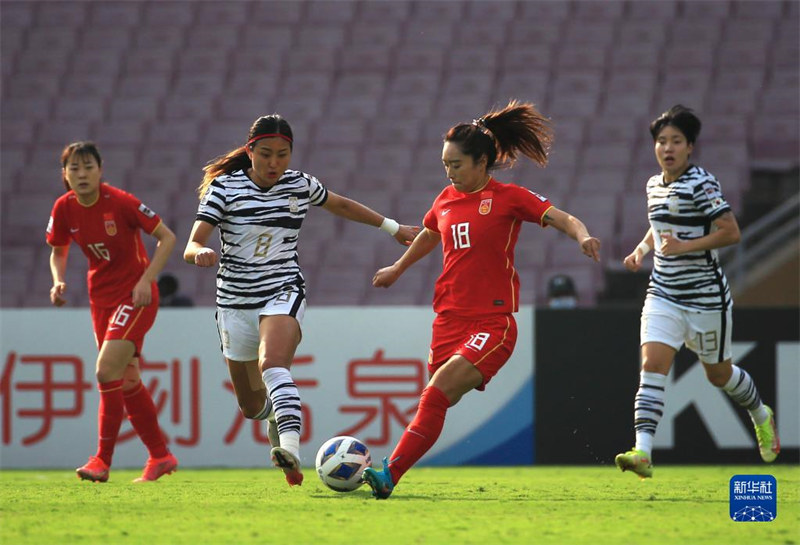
(238, 328)
(707, 334)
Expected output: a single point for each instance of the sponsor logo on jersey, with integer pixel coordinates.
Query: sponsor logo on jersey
(111, 225)
(293, 208)
(50, 225)
(485, 207)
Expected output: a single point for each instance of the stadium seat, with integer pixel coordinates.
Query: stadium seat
(129, 131)
(115, 13)
(155, 37)
(660, 12)
(339, 287)
(380, 12)
(64, 132)
(643, 57)
(143, 85)
(530, 87)
(322, 11)
(197, 108)
(546, 12)
(350, 133)
(207, 61)
(780, 101)
(324, 35)
(742, 55)
(775, 137)
(225, 14)
(366, 58)
(145, 61)
(711, 10)
(89, 85)
(17, 132)
(18, 14)
(397, 131)
(688, 57)
(687, 87)
(701, 30)
(472, 58)
(133, 108)
(755, 10)
(170, 14)
(592, 31)
(393, 157)
(598, 11)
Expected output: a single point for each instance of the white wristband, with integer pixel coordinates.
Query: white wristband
(390, 226)
(644, 248)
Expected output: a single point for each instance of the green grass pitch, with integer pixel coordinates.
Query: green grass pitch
(481, 505)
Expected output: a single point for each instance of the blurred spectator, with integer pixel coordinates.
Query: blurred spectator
(168, 289)
(561, 292)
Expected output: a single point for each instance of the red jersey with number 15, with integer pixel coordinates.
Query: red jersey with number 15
(108, 234)
(479, 231)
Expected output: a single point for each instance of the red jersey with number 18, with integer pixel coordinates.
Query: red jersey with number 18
(479, 231)
(107, 232)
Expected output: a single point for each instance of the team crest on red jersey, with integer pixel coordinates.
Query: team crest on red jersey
(485, 207)
(111, 225)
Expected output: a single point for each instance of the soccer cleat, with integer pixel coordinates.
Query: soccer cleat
(95, 470)
(289, 463)
(635, 460)
(272, 431)
(156, 467)
(379, 481)
(769, 445)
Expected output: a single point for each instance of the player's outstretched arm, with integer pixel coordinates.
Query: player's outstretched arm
(58, 267)
(196, 252)
(575, 229)
(634, 260)
(355, 211)
(143, 291)
(424, 244)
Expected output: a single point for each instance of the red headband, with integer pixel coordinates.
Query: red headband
(269, 135)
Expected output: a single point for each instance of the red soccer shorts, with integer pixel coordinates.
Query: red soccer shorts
(486, 342)
(124, 322)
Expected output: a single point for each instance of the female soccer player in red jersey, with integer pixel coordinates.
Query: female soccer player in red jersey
(105, 222)
(259, 205)
(477, 220)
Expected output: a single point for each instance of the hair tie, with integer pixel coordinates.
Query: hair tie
(481, 124)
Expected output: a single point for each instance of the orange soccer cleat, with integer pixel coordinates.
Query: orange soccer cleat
(156, 467)
(290, 465)
(95, 470)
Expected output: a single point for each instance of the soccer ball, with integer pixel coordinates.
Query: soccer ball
(341, 461)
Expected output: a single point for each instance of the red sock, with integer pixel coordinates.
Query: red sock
(421, 434)
(144, 419)
(109, 418)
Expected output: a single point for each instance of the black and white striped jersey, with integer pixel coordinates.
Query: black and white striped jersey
(258, 230)
(686, 209)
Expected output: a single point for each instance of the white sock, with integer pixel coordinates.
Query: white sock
(648, 407)
(282, 390)
(741, 388)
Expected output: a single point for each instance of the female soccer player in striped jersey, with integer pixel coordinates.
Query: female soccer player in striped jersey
(259, 204)
(477, 220)
(688, 299)
(105, 222)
